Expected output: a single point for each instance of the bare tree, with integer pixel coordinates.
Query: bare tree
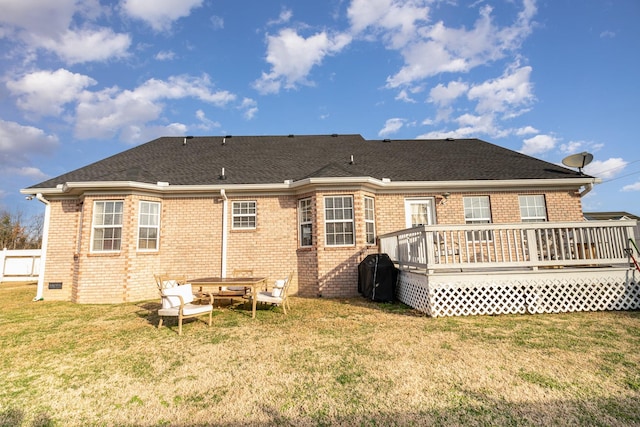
(16, 234)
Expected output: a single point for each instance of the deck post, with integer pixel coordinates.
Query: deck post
(532, 246)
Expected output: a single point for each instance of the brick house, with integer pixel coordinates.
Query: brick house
(202, 206)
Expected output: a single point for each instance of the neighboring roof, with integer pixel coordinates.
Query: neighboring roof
(597, 216)
(274, 159)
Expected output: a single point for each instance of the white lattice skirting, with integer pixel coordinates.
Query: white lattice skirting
(537, 294)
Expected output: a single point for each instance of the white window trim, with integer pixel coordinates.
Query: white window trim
(157, 227)
(342, 221)
(482, 220)
(429, 201)
(94, 227)
(533, 218)
(301, 222)
(371, 221)
(234, 215)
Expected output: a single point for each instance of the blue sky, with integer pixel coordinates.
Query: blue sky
(84, 79)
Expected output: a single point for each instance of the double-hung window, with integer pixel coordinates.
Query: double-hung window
(477, 210)
(107, 226)
(305, 221)
(244, 215)
(369, 220)
(338, 215)
(533, 208)
(148, 226)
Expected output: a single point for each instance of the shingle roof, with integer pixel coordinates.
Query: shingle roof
(274, 159)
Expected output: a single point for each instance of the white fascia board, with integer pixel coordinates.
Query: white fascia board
(71, 188)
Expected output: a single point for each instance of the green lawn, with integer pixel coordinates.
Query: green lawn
(329, 362)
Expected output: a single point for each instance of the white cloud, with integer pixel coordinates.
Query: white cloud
(443, 134)
(18, 143)
(205, 123)
(397, 21)
(440, 49)
(250, 107)
(404, 96)
(87, 45)
(391, 126)
(292, 57)
(527, 130)
(444, 95)
(607, 34)
(572, 147)
(135, 133)
(425, 60)
(165, 55)
(42, 17)
(632, 187)
(504, 94)
(112, 111)
(46, 92)
(27, 171)
(217, 22)
(159, 14)
(469, 126)
(177, 87)
(538, 144)
(50, 25)
(605, 169)
(284, 17)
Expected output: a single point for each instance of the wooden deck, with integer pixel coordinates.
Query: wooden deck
(515, 268)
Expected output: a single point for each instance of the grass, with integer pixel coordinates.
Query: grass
(345, 362)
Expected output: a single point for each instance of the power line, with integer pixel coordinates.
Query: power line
(619, 167)
(620, 177)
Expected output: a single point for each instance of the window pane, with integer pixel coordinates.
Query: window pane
(148, 225)
(339, 224)
(244, 214)
(107, 225)
(305, 222)
(533, 208)
(477, 208)
(306, 239)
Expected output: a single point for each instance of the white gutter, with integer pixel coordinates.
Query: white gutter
(70, 188)
(45, 243)
(225, 203)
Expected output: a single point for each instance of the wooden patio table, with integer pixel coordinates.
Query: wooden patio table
(218, 282)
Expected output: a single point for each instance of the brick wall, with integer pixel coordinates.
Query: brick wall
(60, 266)
(191, 241)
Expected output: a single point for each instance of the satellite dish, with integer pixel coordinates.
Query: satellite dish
(579, 160)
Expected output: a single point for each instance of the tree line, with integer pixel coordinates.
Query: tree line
(18, 233)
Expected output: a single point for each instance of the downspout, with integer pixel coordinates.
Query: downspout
(586, 190)
(43, 249)
(225, 203)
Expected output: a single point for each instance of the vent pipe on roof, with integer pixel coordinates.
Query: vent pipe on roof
(386, 140)
(222, 175)
(184, 142)
(351, 160)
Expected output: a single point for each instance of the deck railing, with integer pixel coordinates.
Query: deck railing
(532, 245)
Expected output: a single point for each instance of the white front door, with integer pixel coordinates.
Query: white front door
(419, 212)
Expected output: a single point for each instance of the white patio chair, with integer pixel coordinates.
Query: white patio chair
(279, 294)
(177, 302)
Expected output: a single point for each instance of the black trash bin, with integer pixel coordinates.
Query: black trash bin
(377, 276)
